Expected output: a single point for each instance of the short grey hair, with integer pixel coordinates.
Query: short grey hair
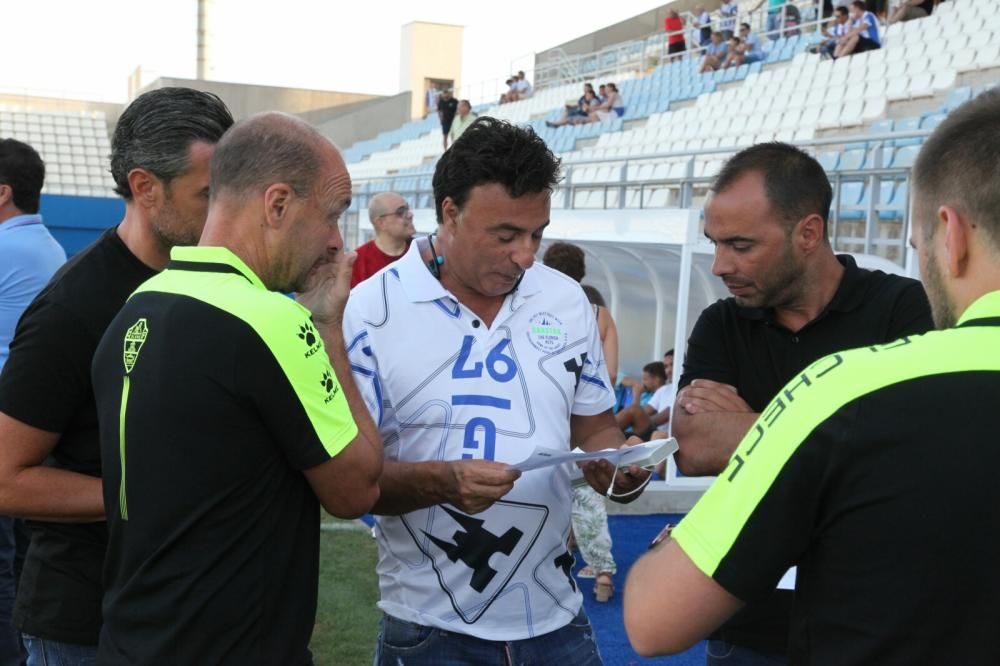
(265, 149)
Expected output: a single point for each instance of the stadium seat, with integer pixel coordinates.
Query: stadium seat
(904, 156)
(851, 160)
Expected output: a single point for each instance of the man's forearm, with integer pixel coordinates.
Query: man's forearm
(50, 494)
(707, 440)
(408, 486)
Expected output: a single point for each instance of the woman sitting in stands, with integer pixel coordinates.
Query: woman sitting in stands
(580, 114)
(734, 55)
(715, 53)
(611, 107)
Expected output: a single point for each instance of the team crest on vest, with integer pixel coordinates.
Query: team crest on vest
(546, 333)
(135, 337)
(475, 557)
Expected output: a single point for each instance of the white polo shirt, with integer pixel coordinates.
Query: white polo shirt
(442, 386)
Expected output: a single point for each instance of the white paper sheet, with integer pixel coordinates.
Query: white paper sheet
(648, 453)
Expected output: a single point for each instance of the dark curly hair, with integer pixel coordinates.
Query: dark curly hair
(566, 258)
(494, 151)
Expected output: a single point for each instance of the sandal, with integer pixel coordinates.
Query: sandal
(604, 587)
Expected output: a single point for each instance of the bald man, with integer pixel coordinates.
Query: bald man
(232, 410)
(392, 220)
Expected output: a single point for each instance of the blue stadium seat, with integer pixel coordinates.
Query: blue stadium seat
(905, 156)
(907, 125)
(932, 120)
(956, 98)
(829, 159)
(895, 207)
(852, 160)
(851, 194)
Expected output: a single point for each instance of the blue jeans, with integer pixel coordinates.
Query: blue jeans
(722, 653)
(417, 645)
(43, 652)
(773, 23)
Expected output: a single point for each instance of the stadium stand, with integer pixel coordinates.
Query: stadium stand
(75, 147)
(679, 125)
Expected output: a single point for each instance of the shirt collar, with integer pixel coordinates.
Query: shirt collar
(20, 221)
(420, 286)
(986, 306)
(212, 259)
(849, 296)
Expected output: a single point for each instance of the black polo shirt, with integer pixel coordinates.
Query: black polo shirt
(214, 395)
(874, 471)
(746, 348)
(46, 384)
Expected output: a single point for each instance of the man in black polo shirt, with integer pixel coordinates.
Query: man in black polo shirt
(873, 469)
(50, 465)
(794, 301)
(223, 417)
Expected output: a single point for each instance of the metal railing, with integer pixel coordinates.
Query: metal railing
(846, 234)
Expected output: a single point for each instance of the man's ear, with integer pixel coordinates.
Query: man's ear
(810, 233)
(449, 213)
(278, 199)
(147, 189)
(956, 240)
(6, 195)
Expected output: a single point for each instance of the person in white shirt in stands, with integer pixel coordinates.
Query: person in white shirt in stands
(715, 53)
(522, 87)
(727, 24)
(832, 34)
(646, 420)
(469, 356)
(863, 34)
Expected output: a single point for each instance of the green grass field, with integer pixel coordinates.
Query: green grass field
(346, 616)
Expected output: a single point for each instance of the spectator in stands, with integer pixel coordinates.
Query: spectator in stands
(793, 19)
(463, 119)
(511, 94)
(715, 53)
(447, 108)
(673, 25)
(588, 511)
(392, 219)
(503, 98)
(862, 35)
(645, 418)
(832, 33)
(734, 53)
(29, 256)
(751, 50)
(50, 463)
(522, 87)
(433, 94)
(727, 24)
(580, 113)
(602, 93)
(911, 9)
(773, 16)
(703, 23)
(612, 107)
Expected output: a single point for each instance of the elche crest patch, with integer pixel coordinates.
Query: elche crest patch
(135, 337)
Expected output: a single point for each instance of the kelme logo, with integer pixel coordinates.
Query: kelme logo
(331, 386)
(307, 333)
(135, 336)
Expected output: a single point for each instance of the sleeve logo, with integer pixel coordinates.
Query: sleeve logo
(135, 337)
(307, 333)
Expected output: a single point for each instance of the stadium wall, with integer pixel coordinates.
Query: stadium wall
(75, 222)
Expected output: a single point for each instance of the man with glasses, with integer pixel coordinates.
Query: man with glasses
(392, 220)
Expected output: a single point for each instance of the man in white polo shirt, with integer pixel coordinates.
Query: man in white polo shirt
(470, 356)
